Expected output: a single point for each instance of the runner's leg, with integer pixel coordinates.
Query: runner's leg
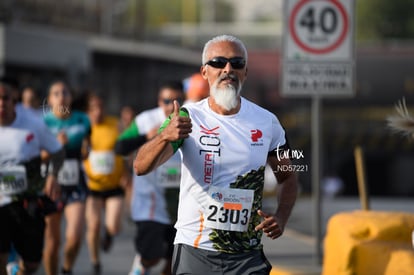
(52, 243)
(94, 206)
(27, 267)
(75, 222)
(113, 214)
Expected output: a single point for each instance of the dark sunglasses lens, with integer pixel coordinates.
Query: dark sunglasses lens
(237, 63)
(219, 63)
(170, 101)
(167, 101)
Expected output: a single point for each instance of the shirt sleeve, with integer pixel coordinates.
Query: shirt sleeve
(47, 140)
(129, 140)
(278, 135)
(130, 132)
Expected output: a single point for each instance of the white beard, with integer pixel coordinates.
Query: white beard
(227, 97)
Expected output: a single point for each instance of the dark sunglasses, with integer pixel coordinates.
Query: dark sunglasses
(221, 62)
(168, 101)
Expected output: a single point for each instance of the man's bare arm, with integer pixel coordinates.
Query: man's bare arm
(152, 154)
(56, 159)
(159, 149)
(52, 188)
(273, 225)
(288, 191)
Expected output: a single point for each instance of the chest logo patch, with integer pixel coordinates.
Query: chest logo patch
(256, 135)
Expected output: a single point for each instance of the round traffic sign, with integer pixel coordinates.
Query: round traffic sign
(318, 26)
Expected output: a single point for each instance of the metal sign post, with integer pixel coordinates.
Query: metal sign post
(318, 61)
(316, 176)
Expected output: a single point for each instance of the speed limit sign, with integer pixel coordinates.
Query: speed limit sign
(318, 47)
(320, 29)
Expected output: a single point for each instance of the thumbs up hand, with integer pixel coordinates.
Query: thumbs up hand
(176, 109)
(179, 126)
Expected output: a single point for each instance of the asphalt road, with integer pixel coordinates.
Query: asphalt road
(295, 247)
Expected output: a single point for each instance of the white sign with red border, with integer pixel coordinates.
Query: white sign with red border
(318, 49)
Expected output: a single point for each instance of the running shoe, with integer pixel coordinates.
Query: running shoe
(96, 269)
(65, 272)
(106, 242)
(137, 268)
(12, 268)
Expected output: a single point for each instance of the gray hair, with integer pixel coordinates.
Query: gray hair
(223, 38)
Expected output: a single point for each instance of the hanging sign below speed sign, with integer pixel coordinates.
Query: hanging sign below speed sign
(318, 47)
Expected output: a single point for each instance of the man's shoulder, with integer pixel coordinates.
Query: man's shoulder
(251, 106)
(26, 120)
(198, 105)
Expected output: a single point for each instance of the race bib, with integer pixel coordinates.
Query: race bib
(169, 176)
(13, 180)
(102, 162)
(69, 172)
(229, 209)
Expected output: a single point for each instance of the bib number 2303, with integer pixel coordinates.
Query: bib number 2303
(233, 216)
(229, 209)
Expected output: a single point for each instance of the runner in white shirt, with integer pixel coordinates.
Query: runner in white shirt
(154, 198)
(25, 197)
(225, 141)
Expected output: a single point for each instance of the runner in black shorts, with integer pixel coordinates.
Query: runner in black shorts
(72, 129)
(104, 169)
(25, 196)
(154, 198)
(151, 236)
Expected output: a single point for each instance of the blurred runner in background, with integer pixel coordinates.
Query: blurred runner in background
(72, 129)
(104, 170)
(127, 116)
(155, 196)
(25, 197)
